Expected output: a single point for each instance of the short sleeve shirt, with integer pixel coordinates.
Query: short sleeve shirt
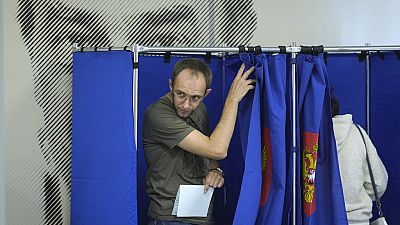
(168, 165)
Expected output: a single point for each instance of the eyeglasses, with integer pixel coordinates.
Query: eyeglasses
(182, 96)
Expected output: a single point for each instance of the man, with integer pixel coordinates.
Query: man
(177, 145)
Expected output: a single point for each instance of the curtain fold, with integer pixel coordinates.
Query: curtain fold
(274, 143)
(321, 193)
(249, 130)
(261, 129)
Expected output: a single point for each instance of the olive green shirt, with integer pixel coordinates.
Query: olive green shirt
(168, 165)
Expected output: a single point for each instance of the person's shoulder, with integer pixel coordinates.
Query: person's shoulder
(202, 108)
(201, 111)
(359, 128)
(161, 105)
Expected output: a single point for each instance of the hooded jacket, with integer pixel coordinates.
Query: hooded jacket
(356, 181)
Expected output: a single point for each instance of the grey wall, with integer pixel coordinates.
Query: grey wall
(2, 160)
(330, 23)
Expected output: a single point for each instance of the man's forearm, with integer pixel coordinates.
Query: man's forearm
(216, 146)
(222, 134)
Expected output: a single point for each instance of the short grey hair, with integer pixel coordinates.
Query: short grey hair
(196, 65)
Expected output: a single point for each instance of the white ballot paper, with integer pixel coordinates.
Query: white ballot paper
(191, 201)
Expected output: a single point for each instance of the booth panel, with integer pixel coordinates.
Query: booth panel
(385, 125)
(347, 76)
(103, 149)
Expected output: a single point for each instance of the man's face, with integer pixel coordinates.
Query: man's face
(188, 91)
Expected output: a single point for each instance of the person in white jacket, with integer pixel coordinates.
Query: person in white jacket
(357, 187)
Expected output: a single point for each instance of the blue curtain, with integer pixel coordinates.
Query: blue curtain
(274, 138)
(233, 164)
(249, 130)
(256, 160)
(321, 197)
(103, 150)
(385, 124)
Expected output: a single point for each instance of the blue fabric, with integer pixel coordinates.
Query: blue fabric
(233, 164)
(347, 77)
(321, 197)
(153, 83)
(385, 124)
(103, 151)
(274, 150)
(249, 125)
(260, 136)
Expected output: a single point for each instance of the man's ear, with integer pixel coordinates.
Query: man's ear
(170, 84)
(208, 91)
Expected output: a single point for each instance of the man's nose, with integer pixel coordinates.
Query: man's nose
(186, 103)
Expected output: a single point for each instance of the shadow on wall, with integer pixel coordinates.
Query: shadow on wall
(48, 30)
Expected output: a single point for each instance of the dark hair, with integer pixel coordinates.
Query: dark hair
(196, 65)
(335, 106)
